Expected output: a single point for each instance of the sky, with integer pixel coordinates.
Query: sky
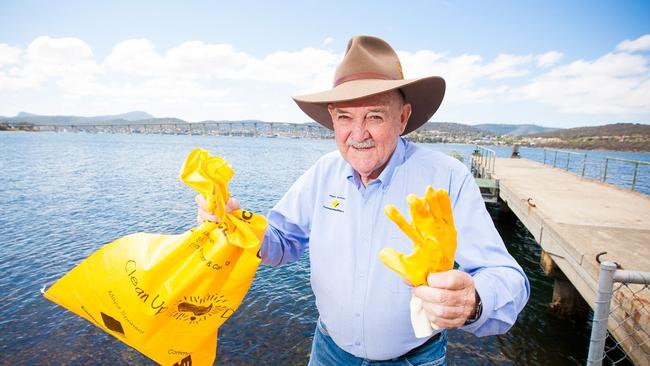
(552, 63)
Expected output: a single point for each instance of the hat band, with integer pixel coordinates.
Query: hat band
(359, 76)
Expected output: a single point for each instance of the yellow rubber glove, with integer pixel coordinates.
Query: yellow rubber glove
(209, 175)
(432, 232)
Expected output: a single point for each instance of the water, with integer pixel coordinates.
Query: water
(618, 173)
(65, 195)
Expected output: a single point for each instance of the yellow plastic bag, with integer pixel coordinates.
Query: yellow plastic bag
(432, 232)
(166, 295)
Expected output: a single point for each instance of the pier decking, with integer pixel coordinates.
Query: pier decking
(573, 219)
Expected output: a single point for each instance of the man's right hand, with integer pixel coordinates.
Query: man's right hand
(204, 215)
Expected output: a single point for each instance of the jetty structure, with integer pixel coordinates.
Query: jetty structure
(578, 223)
(174, 126)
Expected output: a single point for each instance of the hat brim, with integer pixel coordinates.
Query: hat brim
(424, 95)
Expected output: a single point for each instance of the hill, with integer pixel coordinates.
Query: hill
(24, 117)
(617, 129)
(513, 130)
(619, 136)
(453, 128)
(436, 132)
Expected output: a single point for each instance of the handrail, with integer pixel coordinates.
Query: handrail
(636, 167)
(604, 314)
(483, 161)
(568, 158)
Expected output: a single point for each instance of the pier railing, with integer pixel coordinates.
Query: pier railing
(482, 162)
(556, 158)
(626, 161)
(554, 153)
(622, 305)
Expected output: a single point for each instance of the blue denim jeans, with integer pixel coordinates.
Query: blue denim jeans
(324, 352)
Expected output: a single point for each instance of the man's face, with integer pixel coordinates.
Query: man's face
(366, 131)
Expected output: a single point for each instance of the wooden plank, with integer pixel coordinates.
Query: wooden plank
(573, 219)
(487, 183)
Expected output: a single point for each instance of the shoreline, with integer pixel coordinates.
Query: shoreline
(568, 146)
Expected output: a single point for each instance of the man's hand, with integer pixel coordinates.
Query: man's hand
(204, 215)
(449, 299)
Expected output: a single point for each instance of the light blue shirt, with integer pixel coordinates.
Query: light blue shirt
(363, 304)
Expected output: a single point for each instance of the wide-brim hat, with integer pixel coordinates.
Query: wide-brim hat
(371, 66)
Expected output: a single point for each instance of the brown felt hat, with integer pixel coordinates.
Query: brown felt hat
(371, 66)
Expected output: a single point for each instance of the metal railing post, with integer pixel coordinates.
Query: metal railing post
(605, 170)
(584, 164)
(636, 166)
(483, 161)
(544, 156)
(601, 314)
(492, 165)
(568, 159)
(554, 159)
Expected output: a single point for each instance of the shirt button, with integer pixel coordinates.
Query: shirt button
(357, 315)
(357, 343)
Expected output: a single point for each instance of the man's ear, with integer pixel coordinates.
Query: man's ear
(330, 109)
(404, 117)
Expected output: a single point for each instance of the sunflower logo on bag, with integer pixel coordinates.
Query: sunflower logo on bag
(195, 309)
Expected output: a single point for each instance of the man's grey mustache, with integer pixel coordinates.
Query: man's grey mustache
(367, 143)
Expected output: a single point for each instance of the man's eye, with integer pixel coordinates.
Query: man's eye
(344, 117)
(375, 118)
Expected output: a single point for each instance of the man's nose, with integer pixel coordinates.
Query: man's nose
(359, 131)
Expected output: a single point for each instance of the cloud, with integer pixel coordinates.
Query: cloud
(640, 44)
(615, 83)
(610, 64)
(135, 57)
(136, 74)
(469, 78)
(197, 60)
(300, 68)
(196, 80)
(49, 58)
(549, 58)
(508, 66)
(9, 55)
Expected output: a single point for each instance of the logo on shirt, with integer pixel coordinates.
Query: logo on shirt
(334, 203)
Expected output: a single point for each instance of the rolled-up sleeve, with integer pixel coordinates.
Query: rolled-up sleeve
(289, 223)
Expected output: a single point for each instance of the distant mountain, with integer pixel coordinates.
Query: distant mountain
(617, 129)
(164, 120)
(513, 130)
(452, 128)
(129, 116)
(619, 136)
(124, 118)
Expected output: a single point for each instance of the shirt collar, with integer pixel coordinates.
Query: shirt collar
(396, 159)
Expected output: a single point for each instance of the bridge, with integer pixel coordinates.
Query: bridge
(575, 219)
(224, 128)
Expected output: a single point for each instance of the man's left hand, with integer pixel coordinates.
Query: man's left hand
(449, 299)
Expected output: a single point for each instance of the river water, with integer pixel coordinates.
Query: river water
(65, 195)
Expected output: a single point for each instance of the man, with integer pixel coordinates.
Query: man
(336, 209)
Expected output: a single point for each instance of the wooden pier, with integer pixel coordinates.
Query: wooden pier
(574, 219)
(178, 127)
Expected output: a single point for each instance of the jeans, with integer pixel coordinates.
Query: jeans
(324, 352)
